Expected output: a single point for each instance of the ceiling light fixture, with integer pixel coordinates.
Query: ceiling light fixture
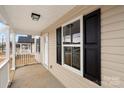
(35, 16)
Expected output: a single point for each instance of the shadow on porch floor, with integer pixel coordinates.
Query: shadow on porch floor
(34, 76)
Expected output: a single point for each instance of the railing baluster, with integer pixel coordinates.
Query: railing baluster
(24, 59)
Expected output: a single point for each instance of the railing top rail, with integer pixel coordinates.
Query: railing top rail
(4, 62)
(25, 54)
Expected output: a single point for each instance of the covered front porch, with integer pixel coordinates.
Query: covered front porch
(23, 61)
(82, 46)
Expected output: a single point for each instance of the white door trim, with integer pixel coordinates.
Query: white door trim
(46, 50)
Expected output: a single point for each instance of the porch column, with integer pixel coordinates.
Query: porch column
(13, 50)
(19, 49)
(8, 48)
(7, 42)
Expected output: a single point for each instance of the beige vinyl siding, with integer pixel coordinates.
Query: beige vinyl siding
(112, 48)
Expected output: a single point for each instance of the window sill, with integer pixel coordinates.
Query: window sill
(79, 72)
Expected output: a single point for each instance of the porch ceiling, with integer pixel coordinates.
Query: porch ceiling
(19, 17)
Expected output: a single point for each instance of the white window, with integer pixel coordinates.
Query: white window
(72, 45)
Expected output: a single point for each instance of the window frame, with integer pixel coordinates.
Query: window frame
(79, 72)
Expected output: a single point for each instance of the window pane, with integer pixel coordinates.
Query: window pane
(67, 55)
(76, 32)
(67, 34)
(76, 57)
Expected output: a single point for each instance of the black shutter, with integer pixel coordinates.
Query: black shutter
(58, 45)
(92, 46)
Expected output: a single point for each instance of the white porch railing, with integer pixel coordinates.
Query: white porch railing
(25, 59)
(4, 73)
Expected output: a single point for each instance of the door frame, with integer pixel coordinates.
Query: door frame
(44, 38)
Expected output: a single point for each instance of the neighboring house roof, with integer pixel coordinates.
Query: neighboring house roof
(27, 39)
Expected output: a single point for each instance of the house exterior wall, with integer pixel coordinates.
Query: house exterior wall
(112, 48)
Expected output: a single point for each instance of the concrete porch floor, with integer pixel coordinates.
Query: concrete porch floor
(34, 76)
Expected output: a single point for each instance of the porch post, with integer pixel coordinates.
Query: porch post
(20, 49)
(7, 42)
(13, 50)
(8, 48)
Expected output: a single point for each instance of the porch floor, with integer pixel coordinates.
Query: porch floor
(34, 76)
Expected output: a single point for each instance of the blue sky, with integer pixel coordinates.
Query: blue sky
(1, 33)
(1, 25)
